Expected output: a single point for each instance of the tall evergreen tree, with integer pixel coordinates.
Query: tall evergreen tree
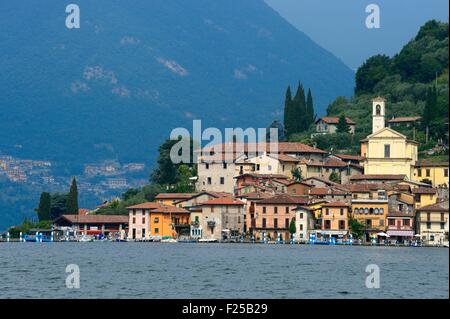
(430, 106)
(310, 108)
(299, 110)
(342, 126)
(289, 125)
(72, 198)
(45, 206)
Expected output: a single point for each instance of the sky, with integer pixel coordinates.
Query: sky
(340, 26)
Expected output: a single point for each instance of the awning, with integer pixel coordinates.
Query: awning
(402, 233)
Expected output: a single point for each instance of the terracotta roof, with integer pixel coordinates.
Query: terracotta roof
(285, 199)
(424, 190)
(404, 119)
(282, 181)
(438, 207)
(350, 157)
(100, 219)
(323, 180)
(283, 147)
(287, 158)
(83, 211)
(264, 176)
(174, 195)
(317, 191)
(379, 177)
(223, 201)
(335, 120)
(169, 209)
(335, 204)
(147, 205)
(431, 163)
(256, 195)
(301, 183)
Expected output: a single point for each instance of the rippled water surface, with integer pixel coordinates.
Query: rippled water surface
(163, 270)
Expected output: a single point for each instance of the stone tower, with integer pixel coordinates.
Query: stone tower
(378, 114)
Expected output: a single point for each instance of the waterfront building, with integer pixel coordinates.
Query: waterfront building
(432, 223)
(196, 199)
(434, 173)
(334, 220)
(324, 168)
(400, 217)
(372, 213)
(250, 200)
(154, 220)
(304, 223)
(223, 218)
(328, 125)
(386, 150)
(83, 224)
(272, 216)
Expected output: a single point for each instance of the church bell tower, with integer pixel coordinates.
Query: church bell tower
(378, 113)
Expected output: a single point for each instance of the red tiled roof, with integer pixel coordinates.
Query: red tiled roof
(94, 219)
(424, 190)
(431, 163)
(350, 157)
(325, 191)
(169, 209)
(335, 120)
(147, 205)
(404, 119)
(323, 180)
(335, 204)
(174, 195)
(287, 158)
(255, 195)
(264, 176)
(285, 199)
(223, 201)
(83, 211)
(379, 177)
(438, 207)
(283, 147)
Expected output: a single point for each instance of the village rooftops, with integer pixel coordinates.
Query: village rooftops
(438, 207)
(320, 179)
(387, 177)
(166, 209)
(346, 157)
(147, 205)
(322, 191)
(223, 201)
(263, 176)
(335, 120)
(285, 199)
(255, 195)
(424, 190)
(336, 204)
(210, 193)
(405, 119)
(259, 148)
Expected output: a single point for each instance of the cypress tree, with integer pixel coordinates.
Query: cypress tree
(299, 112)
(45, 206)
(72, 198)
(309, 108)
(342, 126)
(288, 112)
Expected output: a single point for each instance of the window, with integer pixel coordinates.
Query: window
(269, 167)
(301, 215)
(239, 219)
(428, 216)
(275, 210)
(287, 210)
(381, 222)
(419, 172)
(400, 207)
(143, 232)
(225, 165)
(378, 109)
(257, 167)
(301, 226)
(442, 217)
(387, 150)
(134, 220)
(427, 172)
(428, 225)
(143, 220)
(207, 166)
(209, 181)
(286, 224)
(222, 180)
(134, 212)
(327, 211)
(342, 224)
(445, 172)
(156, 230)
(264, 209)
(342, 212)
(391, 222)
(406, 222)
(156, 220)
(275, 223)
(134, 233)
(368, 222)
(263, 223)
(327, 224)
(442, 225)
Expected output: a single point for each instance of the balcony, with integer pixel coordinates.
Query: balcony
(211, 223)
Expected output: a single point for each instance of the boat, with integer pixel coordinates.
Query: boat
(207, 240)
(169, 240)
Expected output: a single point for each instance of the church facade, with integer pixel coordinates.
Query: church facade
(387, 151)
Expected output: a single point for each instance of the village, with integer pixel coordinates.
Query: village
(301, 194)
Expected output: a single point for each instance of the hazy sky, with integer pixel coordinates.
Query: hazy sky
(339, 26)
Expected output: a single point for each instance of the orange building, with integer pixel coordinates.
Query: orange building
(335, 217)
(372, 213)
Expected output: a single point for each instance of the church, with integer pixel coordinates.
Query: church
(387, 151)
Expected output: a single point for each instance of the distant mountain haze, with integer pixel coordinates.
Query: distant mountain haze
(117, 86)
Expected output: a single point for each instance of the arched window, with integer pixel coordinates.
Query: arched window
(366, 210)
(381, 210)
(378, 109)
(376, 211)
(371, 211)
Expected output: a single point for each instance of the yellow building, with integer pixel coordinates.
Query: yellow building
(425, 196)
(432, 223)
(434, 173)
(372, 213)
(387, 151)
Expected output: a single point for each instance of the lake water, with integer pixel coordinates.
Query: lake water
(163, 270)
